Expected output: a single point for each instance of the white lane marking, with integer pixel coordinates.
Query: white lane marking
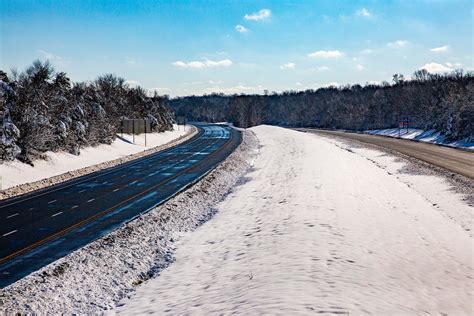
(56, 214)
(123, 175)
(31, 208)
(75, 206)
(90, 200)
(133, 182)
(52, 201)
(12, 232)
(116, 190)
(82, 191)
(13, 215)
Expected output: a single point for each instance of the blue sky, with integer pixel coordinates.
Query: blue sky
(196, 47)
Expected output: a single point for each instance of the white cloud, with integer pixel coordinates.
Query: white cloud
(55, 59)
(323, 68)
(330, 84)
(366, 51)
(326, 54)
(159, 90)
(241, 29)
(364, 13)
(288, 66)
(232, 90)
(398, 44)
(441, 49)
(360, 67)
(132, 83)
(203, 64)
(436, 68)
(453, 64)
(259, 16)
(130, 61)
(48, 55)
(214, 82)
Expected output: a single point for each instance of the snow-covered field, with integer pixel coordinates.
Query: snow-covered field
(430, 136)
(16, 173)
(320, 226)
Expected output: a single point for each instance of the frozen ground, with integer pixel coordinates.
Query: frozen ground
(430, 136)
(17, 173)
(322, 227)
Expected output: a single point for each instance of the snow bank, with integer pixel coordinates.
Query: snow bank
(431, 136)
(96, 277)
(16, 173)
(321, 227)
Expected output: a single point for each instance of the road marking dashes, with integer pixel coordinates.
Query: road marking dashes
(116, 190)
(12, 232)
(52, 201)
(90, 200)
(75, 206)
(56, 214)
(13, 215)
(82, 191)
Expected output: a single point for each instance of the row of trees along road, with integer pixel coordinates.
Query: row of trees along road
(441, 102)
(41, 110)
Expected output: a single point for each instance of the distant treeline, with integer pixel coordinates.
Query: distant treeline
(41, 110)
(441, 102)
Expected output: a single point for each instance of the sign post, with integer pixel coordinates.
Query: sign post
(181, 120)
(403, 122)
(136, 126)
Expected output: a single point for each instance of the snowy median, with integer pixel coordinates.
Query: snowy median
(18, 178)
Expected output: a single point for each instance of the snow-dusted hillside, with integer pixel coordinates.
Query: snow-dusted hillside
(321, 227)
(430, 136)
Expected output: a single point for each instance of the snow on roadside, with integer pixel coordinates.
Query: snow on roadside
(454, 206)
(319, 228)
(17, 173)
(95, 277)
(431, 136)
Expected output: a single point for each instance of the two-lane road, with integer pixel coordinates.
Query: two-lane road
(42, 226)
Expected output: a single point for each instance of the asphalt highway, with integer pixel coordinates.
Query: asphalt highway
(452, 159)
(42, 226)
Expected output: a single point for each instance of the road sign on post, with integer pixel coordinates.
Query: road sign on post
(181, 120)
(403, 122)
(135, 127)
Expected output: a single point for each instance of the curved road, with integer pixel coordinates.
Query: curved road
(42, 226)
(452, 159)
